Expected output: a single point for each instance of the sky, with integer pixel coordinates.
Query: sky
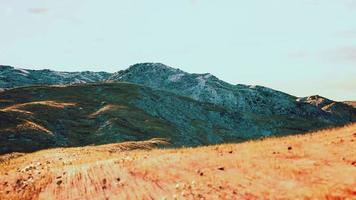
(302, 47)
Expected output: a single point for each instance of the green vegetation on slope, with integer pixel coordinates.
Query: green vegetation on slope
(39, 117)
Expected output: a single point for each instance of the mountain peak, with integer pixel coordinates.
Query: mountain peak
(316, 100)
(156, 67)
(154, 72)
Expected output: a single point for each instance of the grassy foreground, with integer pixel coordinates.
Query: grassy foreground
(320, 165)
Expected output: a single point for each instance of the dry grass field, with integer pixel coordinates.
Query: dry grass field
(319, 165)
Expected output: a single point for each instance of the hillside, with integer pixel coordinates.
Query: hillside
(34, 118)
(39, 117)
(321, 165)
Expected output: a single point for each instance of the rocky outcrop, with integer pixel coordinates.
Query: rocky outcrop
(338, 109)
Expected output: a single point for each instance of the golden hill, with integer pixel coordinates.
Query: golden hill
(319, 165)
(351, 103)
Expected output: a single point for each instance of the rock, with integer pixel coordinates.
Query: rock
(200, 172)
(221, 168)
(59, 182)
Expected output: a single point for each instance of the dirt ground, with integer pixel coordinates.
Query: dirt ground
(320, 165)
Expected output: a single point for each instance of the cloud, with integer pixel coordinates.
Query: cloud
(193, 2)
(38, 10)
(351, 34)
(350, 3)
(341, 83)
(342, 54)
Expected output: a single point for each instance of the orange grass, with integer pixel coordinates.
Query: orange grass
(31, 125)
(320, 165)
(19, 107)
(106, 109)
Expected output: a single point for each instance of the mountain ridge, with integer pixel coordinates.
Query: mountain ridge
(160, 76)
(208, 88)
(11, 77)
(201, 87)
(101, 76)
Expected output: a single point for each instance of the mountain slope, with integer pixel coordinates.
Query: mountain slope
(33, 118)
(250, 100)
(11, 77)
(39, 117)
(313, 166)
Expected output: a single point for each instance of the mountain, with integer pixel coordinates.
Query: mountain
(149, 100)
(252, 101)
(11, 77)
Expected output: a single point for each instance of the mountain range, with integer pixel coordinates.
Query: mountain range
(11, 77)
(43, 108)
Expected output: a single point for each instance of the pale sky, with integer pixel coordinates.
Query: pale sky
(302, 47)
